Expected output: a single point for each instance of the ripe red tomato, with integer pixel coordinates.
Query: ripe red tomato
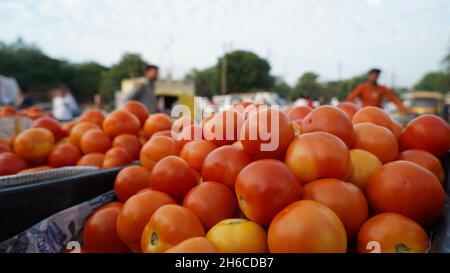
(172, 175)
(130, 180)
(156, 123)
(130, 143)
(95, 141)
(94, 160)
(298, 113)
(93, 115)
(4, 148)
(223, 165)
(406, 188)
(169, 226)
(121, 122)
(426, 132)
(100, 233)
(50, 124)
(397, 128)
(345, 199)
(157, 148)
(376, 139)
(135, 214)
(77, 132)
(373, 115)
(36, 169)
(138, 109)
(212, 202)
(266, 134)
(195, 153)
(224, 128)
(349, 108)
(116, 157)
(189, 133)
(331, 120)
(307, 227)
(425, 159)
(264, 180)
(11, 163)
(64, 155)
(395, 233)
(194, 245)
(34, 144)
(181, 123)
(318, 155)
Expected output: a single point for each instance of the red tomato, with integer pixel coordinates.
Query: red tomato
(156, 123)
(34, 144)
(11, 163)
(349, 108)
(223, 165)
(195, 153)
(121, 122)
(116, 157)
(194, 245)
(189, 133)
(100, 233)
(130, 143)
(157, 148)
(425, 159)
(94, 160)
(212, 202)
(396, 128)
(169, 226)
(135, 214)
(307, 227)
(172, 175)
(50, 124)
(77, 132)
(224, 128)
(298, 113)
(64, 155)
(36, 169)
(267, 134)
(93, 115)
(395, 233)
(408, 189)
(318, 155)
(373, 115)
(138, 109)
(95, 141)
(130, 180)
(264, 180)
(345, 199)
(426, 132)
(331, 120)
(180, 124)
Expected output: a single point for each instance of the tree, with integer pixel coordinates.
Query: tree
(246, 72)
(206, 82)
(130, 66)
(433, 81)
(283, 89)
(308, 85)
(87, 79)
(341, 89)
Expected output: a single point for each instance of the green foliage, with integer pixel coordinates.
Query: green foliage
(206, 82)
(434, 81)
(283, 89)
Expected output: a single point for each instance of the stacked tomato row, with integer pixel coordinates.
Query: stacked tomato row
(32, 112)
(340, 179)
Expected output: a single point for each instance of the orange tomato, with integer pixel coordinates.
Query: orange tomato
(79, 130)
(195, 153)
(413, 191)
(135, 214)
(318, 155)
(189, 133)
(93, 115)
(194, 245)
(223, 165)
(376, 139)
(95, 141)
(395, 233)
(67, 127)
(50, 124)
(426, 132)
(155, 149)
(121, 122)
(64, 155)
(264, 180)
(130, 180)
(298, 113)
(156, 123)
(373, 115)
(364, 164)
(169, 226)
(138, 109)
(94, 160)
(166, 133)
(130, 143)
(345, 199)
(238, 236)
(212, 202)
(425, 159)
(4, 148)
(307, 227)
(224, 128)
(36, 169)
(349, 108)
(172, 175)
(11, 163)
(116, 157)
(331, 120)
(34, 144)
(396, 128)
(180, 124)
(100, 233)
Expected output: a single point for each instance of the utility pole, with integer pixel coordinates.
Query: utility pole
(224, 74)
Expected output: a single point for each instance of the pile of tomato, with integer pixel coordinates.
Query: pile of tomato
(341, 179)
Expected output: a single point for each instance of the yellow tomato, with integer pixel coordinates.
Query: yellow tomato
(238, 236)
(363, 164)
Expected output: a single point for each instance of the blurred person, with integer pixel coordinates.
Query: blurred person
(64, 104)
(146, 92)
(23, 99)
(372, 94)
(8, 90)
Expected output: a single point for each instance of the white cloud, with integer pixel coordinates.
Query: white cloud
(404, 37)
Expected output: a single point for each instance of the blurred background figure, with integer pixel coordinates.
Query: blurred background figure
(372, 94)
(99, 101)
(64, 105)
(8, 90)
(146, 92)
(23, 99)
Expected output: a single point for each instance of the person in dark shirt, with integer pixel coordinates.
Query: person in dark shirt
(24, 100)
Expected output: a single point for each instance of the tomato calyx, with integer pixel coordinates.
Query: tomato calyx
(402, 248)
(243, 202)
(154, 239)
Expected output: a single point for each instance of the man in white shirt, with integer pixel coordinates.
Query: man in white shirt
(63, 104)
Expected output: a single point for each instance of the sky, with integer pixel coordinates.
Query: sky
(335, 38)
